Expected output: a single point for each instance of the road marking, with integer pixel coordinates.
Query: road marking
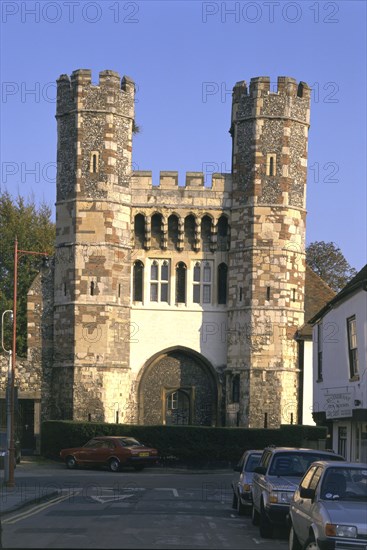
(35, 510)
(174, 491)
(112, 498)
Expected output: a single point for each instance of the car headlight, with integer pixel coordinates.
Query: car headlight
(281, 497)
(2, 453)
(336, 530)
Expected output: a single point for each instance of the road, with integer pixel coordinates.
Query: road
(150, 509)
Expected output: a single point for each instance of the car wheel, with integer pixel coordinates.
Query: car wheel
(265, 527)
(234, 501)
(294, 543)
(241, 509)
(114, 465)
(310, 544)
(70, 462)
(139, 467)
(255, 516)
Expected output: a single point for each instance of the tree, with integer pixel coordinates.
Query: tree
(35, 231)
(327, 260)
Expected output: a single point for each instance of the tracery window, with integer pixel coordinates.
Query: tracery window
(202, 283)
(159, 281)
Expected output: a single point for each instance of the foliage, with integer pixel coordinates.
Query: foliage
(35, 232)
(189, 445)
(328, 261)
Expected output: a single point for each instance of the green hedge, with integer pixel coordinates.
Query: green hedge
(197, 445)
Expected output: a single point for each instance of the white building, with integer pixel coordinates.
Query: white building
(340, 369)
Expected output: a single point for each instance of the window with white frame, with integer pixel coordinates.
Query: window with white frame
(352, 346)
(202, 282)
(159, 281)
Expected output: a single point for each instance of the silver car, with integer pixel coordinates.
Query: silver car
(329, 508)
(241, 483)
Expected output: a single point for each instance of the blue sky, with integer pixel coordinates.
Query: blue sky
(177, 52)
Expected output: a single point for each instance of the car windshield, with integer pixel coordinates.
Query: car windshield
(252, 462)
(344, 484)
(295, 464)
(130, 442)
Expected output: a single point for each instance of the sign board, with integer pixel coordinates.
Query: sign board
(339, 405)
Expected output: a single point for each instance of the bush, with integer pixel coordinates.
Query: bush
(190, 445)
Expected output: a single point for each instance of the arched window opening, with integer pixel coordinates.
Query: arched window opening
(206, 231)
(222, 233)
(92, 288)
(181, 283)
(271, 166)
(138, 279)
(236, 389)
(93, 165)
(207, 283)
(172, 232)
(157, 232)
(222, 283)
(190, 232)
(139, 230)
(196, 283)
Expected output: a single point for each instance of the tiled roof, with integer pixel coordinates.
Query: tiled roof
(317, 295)
(358, 281)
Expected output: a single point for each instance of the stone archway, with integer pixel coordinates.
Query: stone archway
(178, 387)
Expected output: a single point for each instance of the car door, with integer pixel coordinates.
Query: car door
(305, 505)
(87, 453)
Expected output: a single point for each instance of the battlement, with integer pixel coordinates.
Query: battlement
(262, 86)
(78, 88)
(168, 180)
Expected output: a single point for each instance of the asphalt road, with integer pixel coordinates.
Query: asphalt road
(151, 509)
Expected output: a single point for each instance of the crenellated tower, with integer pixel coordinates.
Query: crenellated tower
(267, 256)
(93, 244)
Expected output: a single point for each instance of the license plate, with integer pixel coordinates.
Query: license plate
(143, 454)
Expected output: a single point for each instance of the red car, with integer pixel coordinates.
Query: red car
(111, 451)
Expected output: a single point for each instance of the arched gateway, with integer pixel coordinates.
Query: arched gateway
(178, 386)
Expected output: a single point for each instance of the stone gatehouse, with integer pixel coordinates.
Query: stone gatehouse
(169, 303)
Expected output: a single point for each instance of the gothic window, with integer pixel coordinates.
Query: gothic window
(172, 232)
(202, 283)
(94, 162)
(157, 233)
(190, 231)
(268, 293)
(206, 229)
(181, 283)
(92, 288)
(139, 230)
(138, 280)
(159, 277)
(223, 233)
(222, 283)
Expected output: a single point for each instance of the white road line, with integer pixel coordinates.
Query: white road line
(174, 491)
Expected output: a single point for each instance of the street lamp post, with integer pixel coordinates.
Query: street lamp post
(7, 393)
(17, 254)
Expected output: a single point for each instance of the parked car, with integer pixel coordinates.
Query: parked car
(275, 481)
(241, 483)
(329, 508)
(111, 451)
(4, 447)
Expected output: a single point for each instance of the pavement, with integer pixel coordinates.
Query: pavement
(23, 494)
